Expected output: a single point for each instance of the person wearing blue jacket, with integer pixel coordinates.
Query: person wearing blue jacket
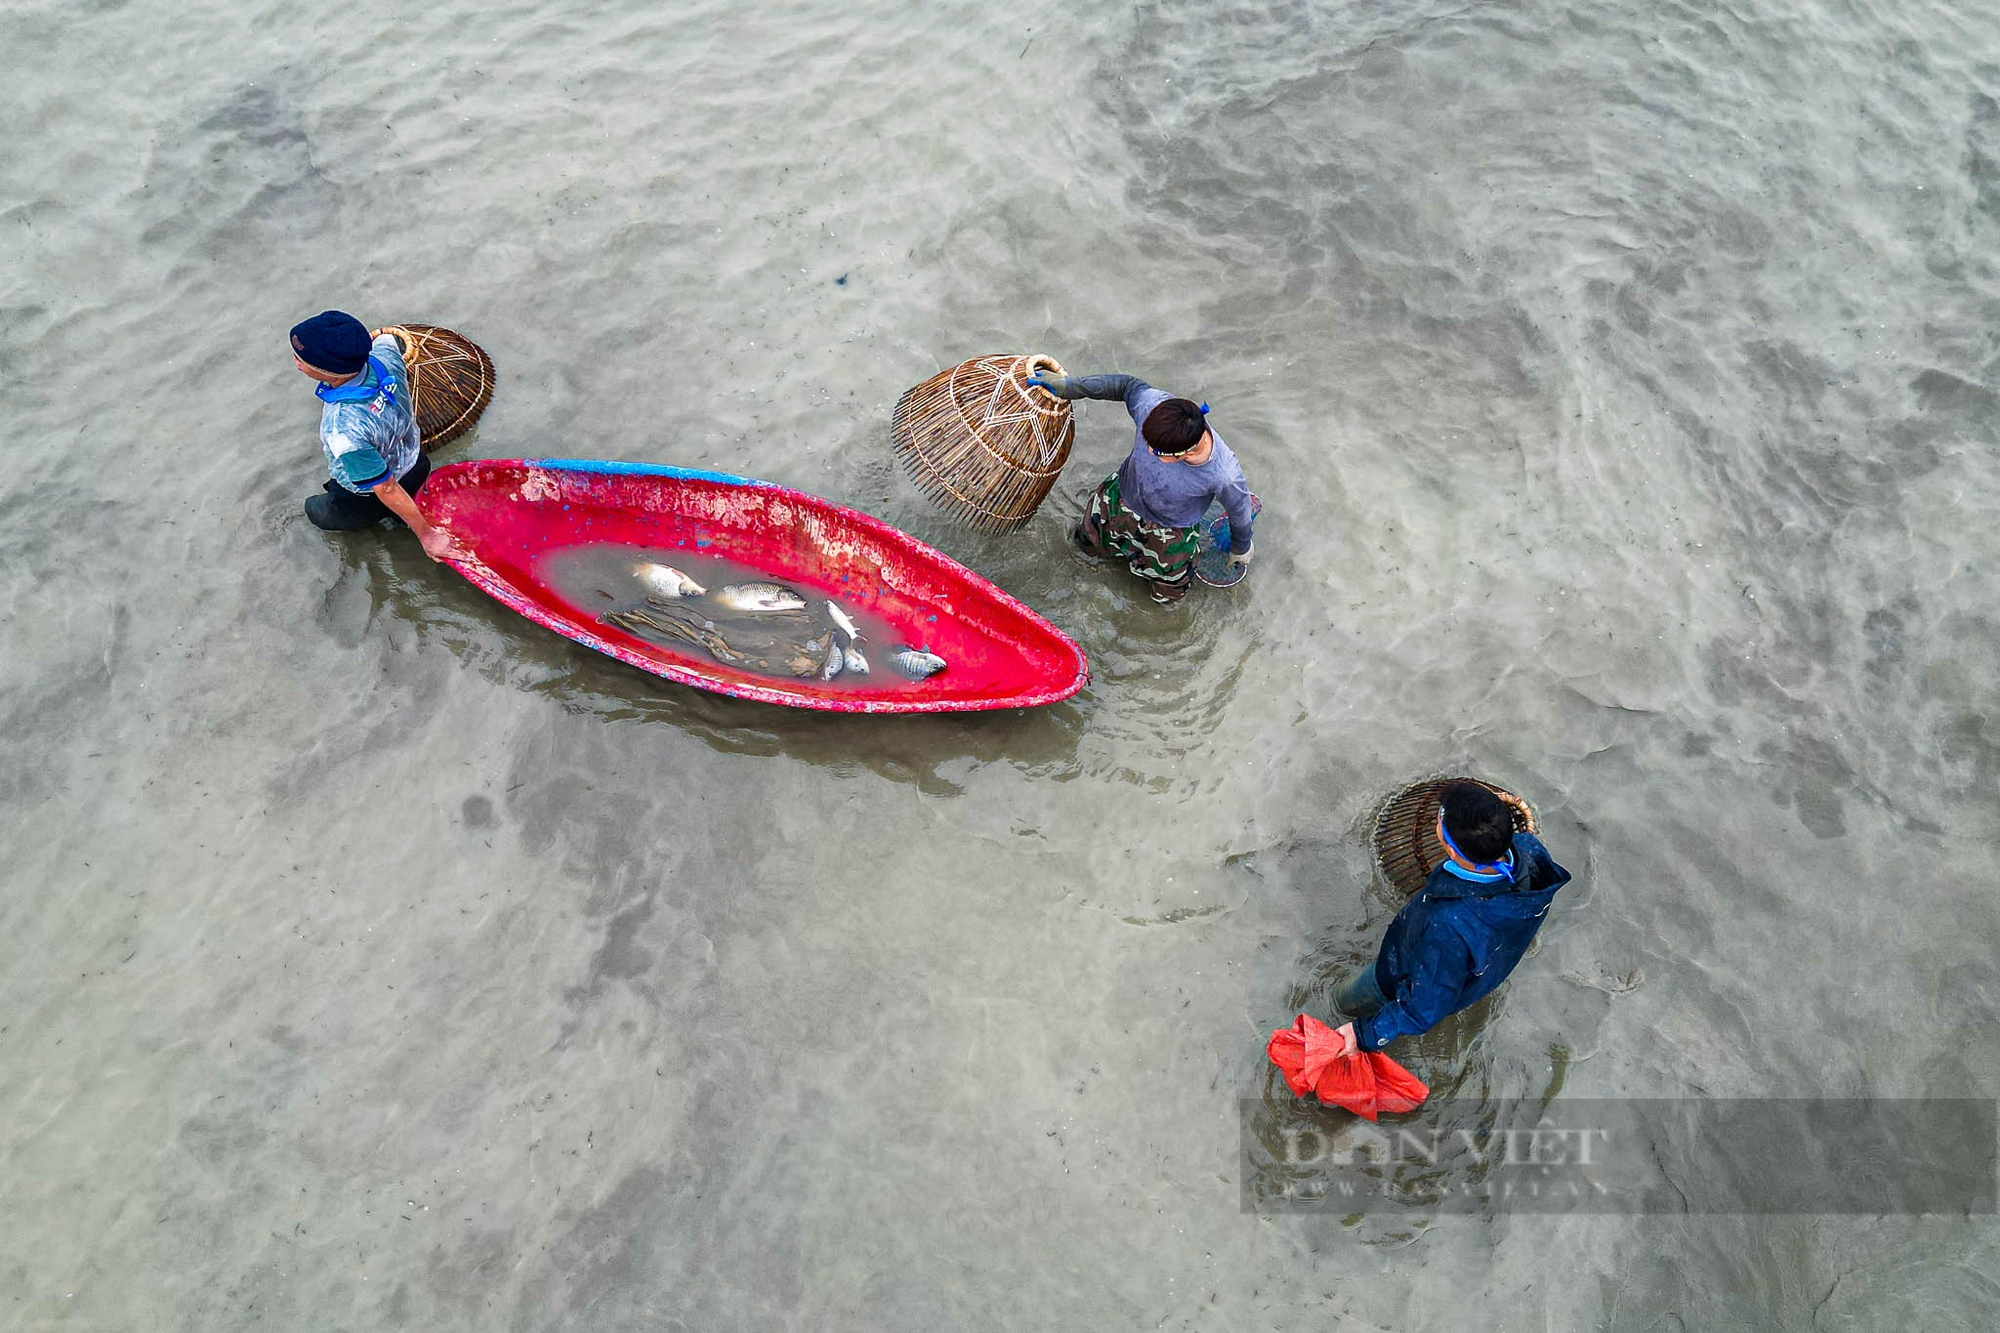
(1461, 935)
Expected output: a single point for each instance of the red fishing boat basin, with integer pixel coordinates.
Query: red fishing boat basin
(521, 518)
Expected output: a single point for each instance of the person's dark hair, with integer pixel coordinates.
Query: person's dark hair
(1477, 821)
(1174, 427)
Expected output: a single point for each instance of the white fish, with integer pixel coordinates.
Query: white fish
(846, 625)
(916, 663)
(835, 660)
(667, 581)
(760, 597)
(856, 663)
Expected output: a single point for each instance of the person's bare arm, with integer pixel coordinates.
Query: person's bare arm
(438, 544)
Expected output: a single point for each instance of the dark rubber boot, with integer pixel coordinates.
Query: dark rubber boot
(328, 514)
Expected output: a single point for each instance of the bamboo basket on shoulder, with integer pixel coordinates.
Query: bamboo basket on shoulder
(981, 443)
(1406, 842)
(451, 380)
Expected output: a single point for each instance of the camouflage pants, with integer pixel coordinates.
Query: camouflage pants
(1162, 556)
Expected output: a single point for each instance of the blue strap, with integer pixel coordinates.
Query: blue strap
(375, 381)
(1482, 872)
(1478, 878)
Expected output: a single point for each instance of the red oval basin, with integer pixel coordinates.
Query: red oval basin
(521, 516)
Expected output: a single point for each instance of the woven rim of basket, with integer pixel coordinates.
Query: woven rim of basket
(1038, 362)
(1412, 853)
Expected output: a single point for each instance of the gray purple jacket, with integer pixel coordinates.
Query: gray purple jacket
(1170, 495)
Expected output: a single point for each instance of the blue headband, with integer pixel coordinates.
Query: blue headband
(1503, 867)
(374, 379)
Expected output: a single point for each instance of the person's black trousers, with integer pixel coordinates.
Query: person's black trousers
(341, 510)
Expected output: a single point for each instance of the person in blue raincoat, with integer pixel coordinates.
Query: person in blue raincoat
(367, 429)
(1461, 935)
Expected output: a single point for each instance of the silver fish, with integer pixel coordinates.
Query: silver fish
(759, 597)
(847, 626)
(835, 660)
(667, 581)
(916, 663)
(856, 663)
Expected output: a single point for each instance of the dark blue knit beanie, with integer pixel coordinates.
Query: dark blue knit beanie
(333, 341)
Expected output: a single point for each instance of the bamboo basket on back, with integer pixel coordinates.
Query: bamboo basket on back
(451, 380)
(983, 444)
(1406, 842)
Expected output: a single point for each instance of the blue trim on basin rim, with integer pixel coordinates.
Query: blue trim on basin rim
(642, 470)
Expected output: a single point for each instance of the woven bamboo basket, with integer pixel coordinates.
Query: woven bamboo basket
(981, 443)
(451, 380)
(1406, 841)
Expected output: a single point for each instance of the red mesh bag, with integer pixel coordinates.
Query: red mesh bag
(1367, 1083)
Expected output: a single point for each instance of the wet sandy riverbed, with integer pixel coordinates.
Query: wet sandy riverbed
(1618, 384)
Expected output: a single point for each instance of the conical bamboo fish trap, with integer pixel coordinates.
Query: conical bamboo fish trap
(1406, 841)
(451, 380)
(981, 443)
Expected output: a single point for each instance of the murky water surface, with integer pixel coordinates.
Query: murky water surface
(1620, 383)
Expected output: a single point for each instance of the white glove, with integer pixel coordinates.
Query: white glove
(1242, 558)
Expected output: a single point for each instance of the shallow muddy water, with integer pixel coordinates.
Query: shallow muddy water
(604, 582)
(1620, 385)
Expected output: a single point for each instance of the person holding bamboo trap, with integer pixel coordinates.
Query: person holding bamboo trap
(374, 449)
(1149, 512)
(1466, 928)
